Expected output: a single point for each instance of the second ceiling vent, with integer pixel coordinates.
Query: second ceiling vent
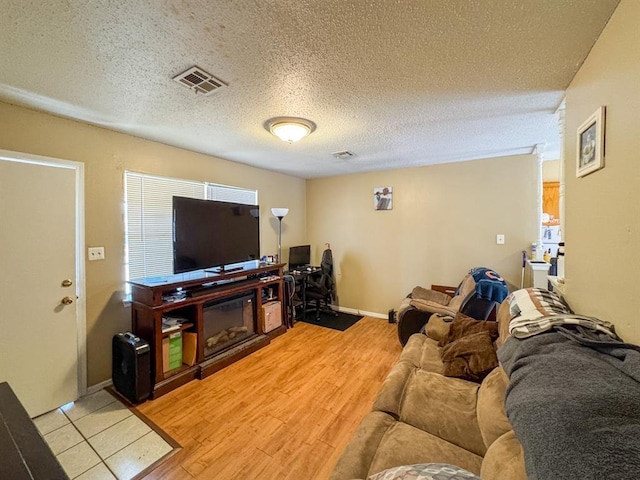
(200, 81)
(344, 155)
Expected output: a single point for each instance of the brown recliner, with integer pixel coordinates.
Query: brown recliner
(421, 303)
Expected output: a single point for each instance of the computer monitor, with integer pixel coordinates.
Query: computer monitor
(299, 256)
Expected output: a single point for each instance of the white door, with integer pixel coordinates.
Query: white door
(38, 317)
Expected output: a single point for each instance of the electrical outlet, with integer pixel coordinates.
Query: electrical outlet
(500, 239)
(96, 253)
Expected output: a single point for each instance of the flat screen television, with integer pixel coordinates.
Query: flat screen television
(299, 256)
(208, 233)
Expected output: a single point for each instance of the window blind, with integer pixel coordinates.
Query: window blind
(149, 218)
(223, 193)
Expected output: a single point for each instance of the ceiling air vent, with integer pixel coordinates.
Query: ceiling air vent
(343, 155)
(200, 81)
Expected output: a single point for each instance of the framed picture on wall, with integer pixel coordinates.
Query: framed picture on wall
(383, 198)
(590, 147)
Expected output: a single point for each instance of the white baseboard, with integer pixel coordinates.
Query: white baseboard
(99, 386)
(354, 311)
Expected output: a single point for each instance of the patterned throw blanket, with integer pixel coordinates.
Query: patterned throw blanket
(535, 310)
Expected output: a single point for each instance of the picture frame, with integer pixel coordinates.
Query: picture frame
(591, 144)
(383, 198)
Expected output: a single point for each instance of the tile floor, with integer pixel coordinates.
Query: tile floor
(99, 438)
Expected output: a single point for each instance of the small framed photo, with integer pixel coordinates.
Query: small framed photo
(383, 198)
(590, 147)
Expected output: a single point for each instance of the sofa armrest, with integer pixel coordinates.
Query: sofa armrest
(410, 321)
(359, 454)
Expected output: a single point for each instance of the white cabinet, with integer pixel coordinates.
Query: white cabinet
(537, 274)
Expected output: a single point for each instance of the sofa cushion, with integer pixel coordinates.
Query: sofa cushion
(471, 357)
(425, 471)
(444, 407)
(422, 352)
(380, 442)
(438, 327)
(432, 301)
(433, 307)
(463, 325)
(428, 295)
(492, 417)
(404, 444)
(504, 459)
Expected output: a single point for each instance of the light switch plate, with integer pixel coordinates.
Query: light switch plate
(96, 253)
(500, 239)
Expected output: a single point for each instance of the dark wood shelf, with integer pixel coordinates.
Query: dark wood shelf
(150, 291)
(184, 326)
(148, 307)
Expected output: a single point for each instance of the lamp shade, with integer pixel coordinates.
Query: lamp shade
(280, 212)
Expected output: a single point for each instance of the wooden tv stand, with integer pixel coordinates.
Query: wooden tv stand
(152, 300)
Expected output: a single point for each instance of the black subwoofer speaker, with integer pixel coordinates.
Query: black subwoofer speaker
(131, 367)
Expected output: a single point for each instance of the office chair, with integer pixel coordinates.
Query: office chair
(289, 297)
(322, 289)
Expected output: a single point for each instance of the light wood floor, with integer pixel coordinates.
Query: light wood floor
(284, 412)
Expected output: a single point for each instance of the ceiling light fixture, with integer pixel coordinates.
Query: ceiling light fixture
(290, 129)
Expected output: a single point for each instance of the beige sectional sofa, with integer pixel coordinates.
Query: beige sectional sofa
(422, 416)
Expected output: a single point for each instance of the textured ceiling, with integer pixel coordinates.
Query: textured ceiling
(398, 82)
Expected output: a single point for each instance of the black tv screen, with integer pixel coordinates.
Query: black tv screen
(299, 256)
(208, 233)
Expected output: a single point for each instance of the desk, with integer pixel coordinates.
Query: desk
(301, 278)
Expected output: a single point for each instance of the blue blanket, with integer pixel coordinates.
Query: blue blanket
(489, 284)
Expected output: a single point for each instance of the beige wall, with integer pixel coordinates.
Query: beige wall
(603, 208)
(551, 171)
(106, 156)
(444, 221)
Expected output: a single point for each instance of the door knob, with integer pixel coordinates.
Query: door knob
(67, 283)
(67, 300)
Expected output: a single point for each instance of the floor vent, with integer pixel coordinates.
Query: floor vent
(200, 81)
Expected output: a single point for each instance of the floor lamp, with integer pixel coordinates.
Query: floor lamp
(279, 213)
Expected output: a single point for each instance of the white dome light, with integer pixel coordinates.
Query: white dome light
(290, 129)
